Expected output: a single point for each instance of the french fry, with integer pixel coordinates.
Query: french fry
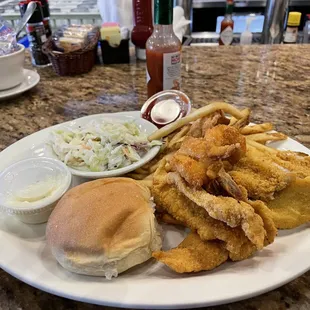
(210, 108)
(242, 122)
(148, 183)
(233, 121)
(248, 130)
(149, 177)
(261, 147)
(265, 137)
(179, 135)
(136, 176)
(154, 167)
(141, 171)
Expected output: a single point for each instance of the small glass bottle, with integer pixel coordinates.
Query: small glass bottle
(36, 34)
(46, 17)
(291, 32)
(227, 25)
(143, 26)
(306, 30)
(163, 51)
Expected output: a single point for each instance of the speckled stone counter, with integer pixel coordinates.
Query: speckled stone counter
(273, 81)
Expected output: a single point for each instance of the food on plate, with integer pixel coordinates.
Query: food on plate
(226, 209)
(218, 177)
(31, 188)
(194, 255)
(259, 128)
(298, 164)
(267, 137)
(104, 227)
(101, 145)
(168, 198)
(191, 170)
(291, 206)
(205, 111)
(214, 175)
(260, 175)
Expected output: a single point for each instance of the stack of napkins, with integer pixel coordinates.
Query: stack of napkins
(120, 11)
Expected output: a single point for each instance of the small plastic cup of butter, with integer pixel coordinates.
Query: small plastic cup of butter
(31, 188)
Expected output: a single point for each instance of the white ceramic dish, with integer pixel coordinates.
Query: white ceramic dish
(11, 73)
(41, 147)
(31, 188)
(30, 80)
(150, 285)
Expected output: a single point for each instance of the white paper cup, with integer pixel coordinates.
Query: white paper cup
(11, 68)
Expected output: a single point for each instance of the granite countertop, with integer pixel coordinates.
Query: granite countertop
(272, 80)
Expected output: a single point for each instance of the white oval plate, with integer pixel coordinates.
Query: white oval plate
(24, 254)
(36, 144)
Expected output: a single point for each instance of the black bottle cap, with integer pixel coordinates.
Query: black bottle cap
(37, 15)
(45, 8)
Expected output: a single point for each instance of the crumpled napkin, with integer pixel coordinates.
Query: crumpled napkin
(120, 11)
(179, 22)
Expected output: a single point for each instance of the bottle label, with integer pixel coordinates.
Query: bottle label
(172, 71)
(147, 76)
(290, 35)
(227, 35)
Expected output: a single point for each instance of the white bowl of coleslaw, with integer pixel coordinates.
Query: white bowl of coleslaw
(99, 146)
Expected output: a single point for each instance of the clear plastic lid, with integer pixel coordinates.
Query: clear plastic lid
(165, 107)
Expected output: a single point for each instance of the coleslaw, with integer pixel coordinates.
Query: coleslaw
(101, 145)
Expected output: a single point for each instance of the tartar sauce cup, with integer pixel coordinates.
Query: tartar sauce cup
(31, 188)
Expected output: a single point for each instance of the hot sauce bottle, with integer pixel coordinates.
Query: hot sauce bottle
(143, 25)
(163, 51)
(227, 25)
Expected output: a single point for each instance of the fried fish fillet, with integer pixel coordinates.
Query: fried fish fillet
(260, 175)
(169, 199)
(191, 170)
(193, 255)
(168, 219)
(265, 213)
(291, 206)
(292, 161)
(226, 209)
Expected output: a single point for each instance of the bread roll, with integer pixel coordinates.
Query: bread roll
(104, 227)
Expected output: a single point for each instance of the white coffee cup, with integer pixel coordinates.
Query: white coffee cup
(11, 68)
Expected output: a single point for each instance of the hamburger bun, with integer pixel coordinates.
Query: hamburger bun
(103, 227)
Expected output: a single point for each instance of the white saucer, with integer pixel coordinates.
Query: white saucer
(31, 79)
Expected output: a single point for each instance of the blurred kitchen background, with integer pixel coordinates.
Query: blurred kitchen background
(206, 16)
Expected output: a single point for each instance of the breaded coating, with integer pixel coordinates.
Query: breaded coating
(199, 149)
(260, 175)
(291, 206)
(191, 170)
(201, 125)
(225, 209)
(194, 255)
(294, 162)
(222, 136)
(168, 198)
